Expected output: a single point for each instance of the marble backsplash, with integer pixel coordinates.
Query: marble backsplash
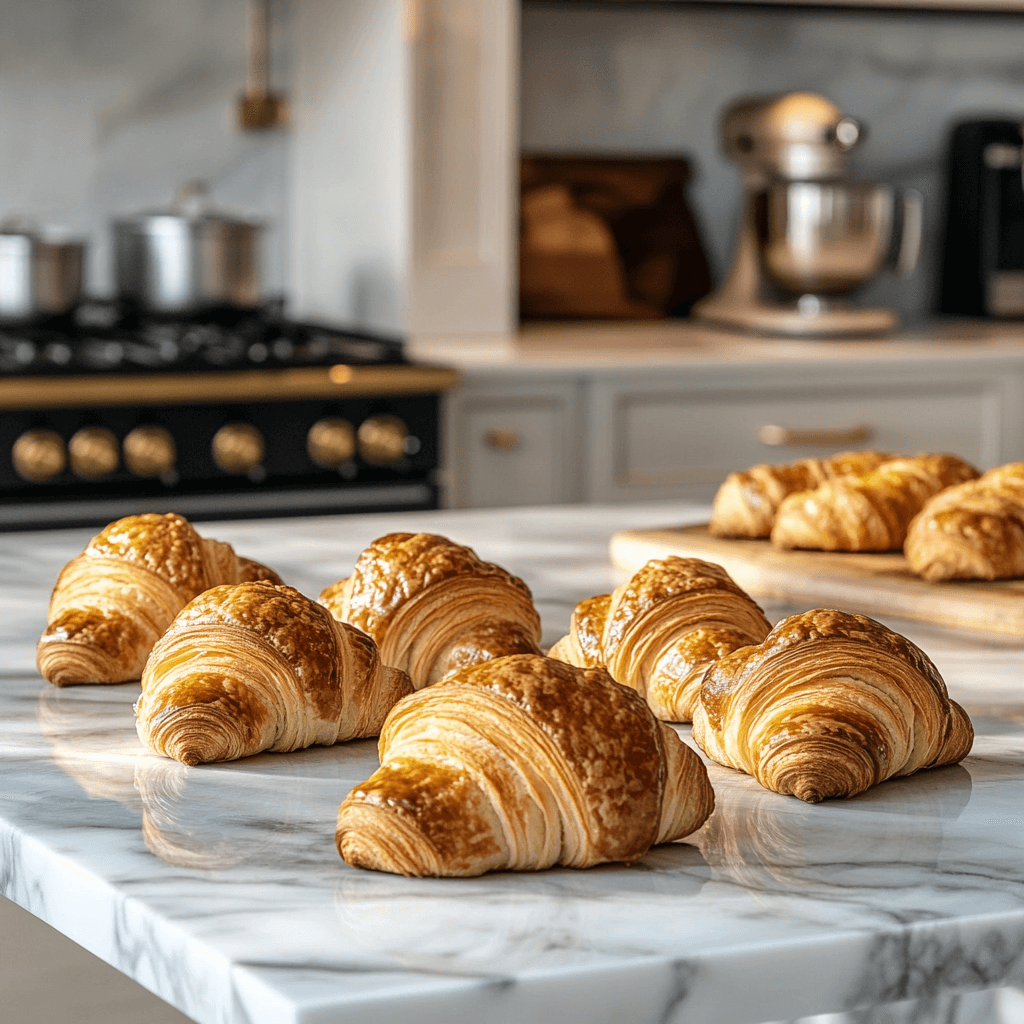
(643, 78)
(106, 106)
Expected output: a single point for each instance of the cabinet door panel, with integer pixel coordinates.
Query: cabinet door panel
(513, 449)
(661, 442)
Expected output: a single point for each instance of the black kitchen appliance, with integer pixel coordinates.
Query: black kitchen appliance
(106, 413)
(983, 243)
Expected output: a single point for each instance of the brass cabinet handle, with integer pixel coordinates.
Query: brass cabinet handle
(503, 440)
(781, 437)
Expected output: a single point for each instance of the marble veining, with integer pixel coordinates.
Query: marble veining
(219, 887)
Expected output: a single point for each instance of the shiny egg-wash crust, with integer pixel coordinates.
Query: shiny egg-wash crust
(519, 764)
(974, 531)
(434, 607)
(113, 602)
(659, 632)
(870, 512)
(829, 705)
(257, 667)
(746, 503)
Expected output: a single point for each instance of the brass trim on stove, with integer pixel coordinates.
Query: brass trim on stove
(339, 381)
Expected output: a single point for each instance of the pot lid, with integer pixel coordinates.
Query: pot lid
(26, 228)
(192, 204)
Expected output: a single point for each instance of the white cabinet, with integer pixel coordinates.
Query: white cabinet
(614, 434)
(514, 443)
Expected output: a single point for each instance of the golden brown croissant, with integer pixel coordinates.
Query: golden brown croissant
(660, 631)
(114, 601)
(746, 503)
(972, 531)
(866, 513)
(261, 667)
(434, 607)
(829, 705)
(518, 764)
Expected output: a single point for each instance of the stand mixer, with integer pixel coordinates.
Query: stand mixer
(808, 237)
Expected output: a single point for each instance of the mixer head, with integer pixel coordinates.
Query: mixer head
(797, 135)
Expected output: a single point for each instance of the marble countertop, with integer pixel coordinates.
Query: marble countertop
(592, 346)
(219, 887)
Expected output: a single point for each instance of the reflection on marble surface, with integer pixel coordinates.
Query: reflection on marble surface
(219, 887)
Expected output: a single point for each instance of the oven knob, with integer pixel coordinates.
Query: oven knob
(149, 451)
(94, 452)
(331, 442)
(382, 440)
(238, 448)
(39, 455)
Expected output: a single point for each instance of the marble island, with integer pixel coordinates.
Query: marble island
(219, 888)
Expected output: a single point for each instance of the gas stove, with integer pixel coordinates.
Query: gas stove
(108, 412)
(106, 337)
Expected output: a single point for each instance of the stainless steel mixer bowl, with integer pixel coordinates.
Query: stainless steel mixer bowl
(824, 237)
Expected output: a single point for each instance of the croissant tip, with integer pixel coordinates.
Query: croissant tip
(189, 757)
(809, 796)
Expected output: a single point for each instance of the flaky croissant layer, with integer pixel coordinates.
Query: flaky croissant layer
(746, 503)
(113, 602)
(659, 632)
(521, 763)
(829, 705)
(434, 607)
(261, 667)
(870, 512)
(972, 531)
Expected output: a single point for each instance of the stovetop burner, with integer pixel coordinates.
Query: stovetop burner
(104, 337)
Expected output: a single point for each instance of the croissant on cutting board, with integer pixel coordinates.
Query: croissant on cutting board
(747, 501)
(870, 512)
(261, 667)
(972, 531)
(433, 606)
(115, 600)
(660, 631)
(829, 705)
(521, 763)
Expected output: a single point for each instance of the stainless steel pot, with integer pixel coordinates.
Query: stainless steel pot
(39, 277)
(187, 259)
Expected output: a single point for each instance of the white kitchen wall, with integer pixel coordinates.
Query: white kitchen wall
(654, 77)
(107, 105)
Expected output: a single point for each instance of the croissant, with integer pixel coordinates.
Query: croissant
(114, 601)
(829, 705)
(972, 531)
(659, 632)
(260, 667)
(746, 503)
(866, 513)
(518, 764)
(434, 607)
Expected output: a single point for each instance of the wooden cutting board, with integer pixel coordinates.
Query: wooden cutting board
(868, 583)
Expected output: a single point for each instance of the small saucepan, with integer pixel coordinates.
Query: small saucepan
(188, 259)
(40, 275)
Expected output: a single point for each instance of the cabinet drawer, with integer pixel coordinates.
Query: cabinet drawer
(664, 441)
(513, 448)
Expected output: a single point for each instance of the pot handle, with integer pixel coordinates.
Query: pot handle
(192, 197)
(910, 233)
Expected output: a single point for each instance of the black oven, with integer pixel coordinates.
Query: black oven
(104, 414)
